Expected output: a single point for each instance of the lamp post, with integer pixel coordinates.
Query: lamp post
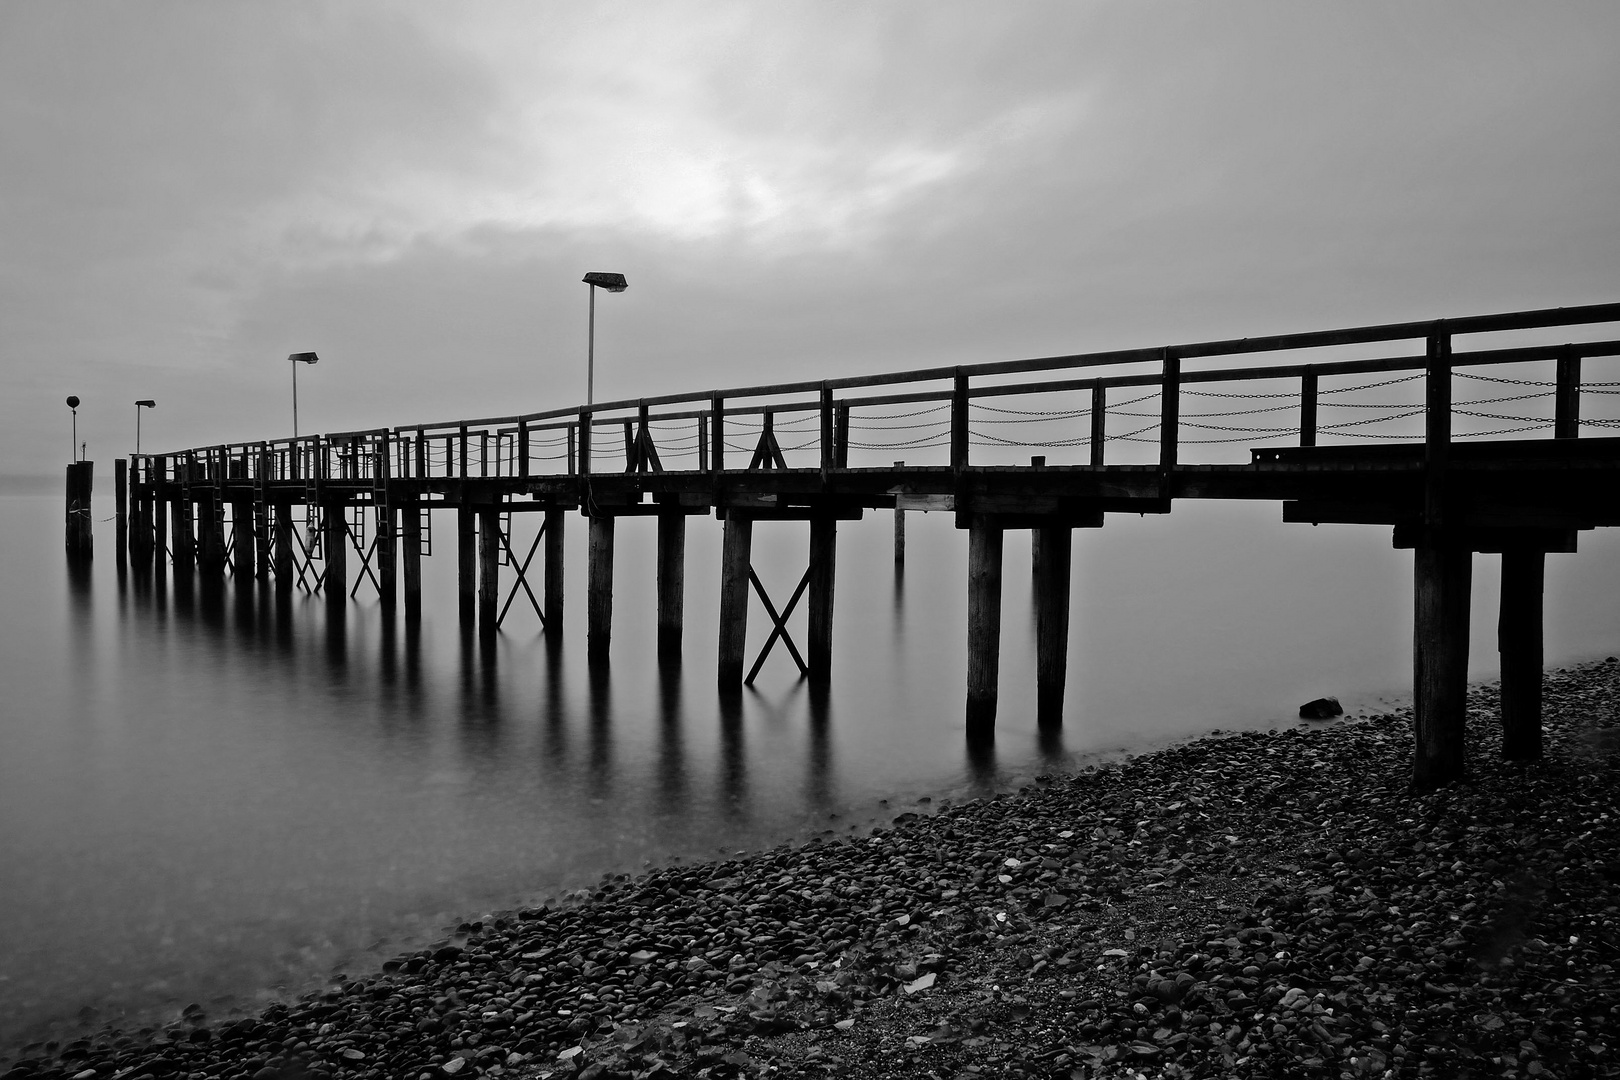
(612, 283)
(73, 403)
(299, 358)
(144, 403)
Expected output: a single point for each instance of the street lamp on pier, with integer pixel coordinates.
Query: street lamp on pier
(144, 403)
(299, 358)
(612, 283)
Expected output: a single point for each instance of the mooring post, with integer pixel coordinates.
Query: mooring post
(599, 590)
(284, 547)
(1055, 552)
(735, 561)
(80, 481)
(121, 510)
(1443, 572)
(466, 563)
(411, 521)
(671, 582)
(1518, 640)
(335, 548)
(489, 568)
(554, 571)
(242, 538)
(823, 575)
(984, 624)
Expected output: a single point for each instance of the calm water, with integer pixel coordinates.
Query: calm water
(205, 797)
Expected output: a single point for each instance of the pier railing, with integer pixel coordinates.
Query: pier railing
(1130, 406)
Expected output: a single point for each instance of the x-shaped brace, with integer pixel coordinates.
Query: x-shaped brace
(780, 629)
(521, 581)
(306, 565)
(365, 561)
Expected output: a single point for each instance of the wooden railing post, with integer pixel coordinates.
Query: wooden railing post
(421, 453)
(1307, 407)
(523, 448)
(703, 442)
(463, 451)
(584, 442)
(959, 423)
(717, 433)
(1436, 425)
(1169, 410)
(841, 438)
(829, 450)
(1567, 397)
(1099, 424)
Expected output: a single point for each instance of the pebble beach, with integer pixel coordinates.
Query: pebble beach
(1257, 904)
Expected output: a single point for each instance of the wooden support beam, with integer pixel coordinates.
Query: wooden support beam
(671, 583)
(284, 547)
(335, 549)
(185, 540)
(1307, 407)
(1518, 640)
(489, 568)
(121, 510)
(411, 541)
(80, 537)
(823, 576)
(387, 564)
(210, 534)
(263, 541)
(1099, 424)
(1170, 411)
(599, 590)
(899, 529)
(735, 561)
(466, 564)
(1442, 577)
(984, 626)
(1567, 397)
(244, 557)
(1055, 548)
(554, 571)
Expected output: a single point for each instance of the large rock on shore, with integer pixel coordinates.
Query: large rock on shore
(1323, 708)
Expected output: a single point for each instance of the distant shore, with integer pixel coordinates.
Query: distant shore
(1251, 904)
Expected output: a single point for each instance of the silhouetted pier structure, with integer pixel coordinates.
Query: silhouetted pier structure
(339, 512)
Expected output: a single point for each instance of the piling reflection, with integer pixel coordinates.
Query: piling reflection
(671, 741)
(733, 757)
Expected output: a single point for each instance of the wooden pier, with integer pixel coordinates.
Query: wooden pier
(337, 513)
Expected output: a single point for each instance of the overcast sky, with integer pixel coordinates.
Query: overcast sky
(190, 191)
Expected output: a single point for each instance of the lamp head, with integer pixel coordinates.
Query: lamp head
(73, 401)
(610, 282)
(304, 358)
(146, 403)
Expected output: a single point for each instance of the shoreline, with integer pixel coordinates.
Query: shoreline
(1097, 923)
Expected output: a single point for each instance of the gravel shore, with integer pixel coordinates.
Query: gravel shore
(1244, 905)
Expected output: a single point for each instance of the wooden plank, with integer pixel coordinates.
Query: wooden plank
(984, 626)
(599, 590)
(1519, 641)
(735, 556)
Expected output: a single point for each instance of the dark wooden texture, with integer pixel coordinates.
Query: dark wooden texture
(1052, 567)
(736, 551)
(244, 557)
(671, 583)
(1443, 572)
(467, 564)
(410, 514)
(385, 558)
(1518, 640)
(599, 589)
(554, 580)
(284, 547)
(79, 532)
(335, 552)
(984, 625)
(823, 578)
(489, 568)
(121, 510)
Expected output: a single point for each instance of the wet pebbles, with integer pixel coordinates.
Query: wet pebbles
(1257, 904)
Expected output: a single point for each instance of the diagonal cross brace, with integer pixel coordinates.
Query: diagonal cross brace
(365, 562)
(522, 581)
(780, 629)
(306, 565)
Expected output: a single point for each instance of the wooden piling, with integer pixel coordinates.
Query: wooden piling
(121, 510)
(411, 518)
(384, 557)
(1052, 622)
(899, 529)
(671, 582)
(335, 548)
(185, 540)
(466, 563)
(823, 575)
(160, 514)
(984, 625)
(735, 562)
(263, 544)
(242, 539)
(208, 516)
(599, 590)
(80, 535)
(489, 568)
(554, 571)
(1518, 640)
(284, 569)
(1442, 573)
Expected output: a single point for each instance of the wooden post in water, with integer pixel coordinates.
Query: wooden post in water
(899, 530)
(1052, 622)
(185, 540)
(1443, 573)
(387, 564)
(554, 570)
(735, 562)
(284, 547)
(489, 568)
(599, 590)
(335, 547)
(984, 625)
(263, 544)
(121, 510)
(160, 512)
(1518, 640)
(79, 534)
(823, 575)
(671, 582)
(242, 538)
(411, 517)
(209, 517)
(466, 563)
